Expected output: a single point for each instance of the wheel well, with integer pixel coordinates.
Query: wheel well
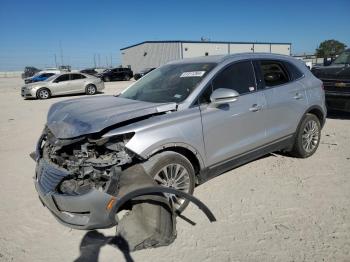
(318, 113)
(186, 153)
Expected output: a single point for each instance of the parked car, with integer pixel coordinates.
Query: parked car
(116, 74)
(182, 124)
(62, 84)
(29, 71)
(143, 73)
(38, 77)
(89, 71)
(336, 82)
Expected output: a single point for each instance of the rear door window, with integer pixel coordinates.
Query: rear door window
(274, 73)
(294, 72)
(77, 76)
(62, 78)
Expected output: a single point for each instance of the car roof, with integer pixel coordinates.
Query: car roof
(221, 58)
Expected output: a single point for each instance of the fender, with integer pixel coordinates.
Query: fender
(159, 189)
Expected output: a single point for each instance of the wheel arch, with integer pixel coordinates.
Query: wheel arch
(318, 112)
(183, 149)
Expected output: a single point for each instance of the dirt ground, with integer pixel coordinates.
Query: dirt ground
(274, 209)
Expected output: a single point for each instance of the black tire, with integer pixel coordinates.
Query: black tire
(301, 145)
(91, 89)
(170, 160)
(127, 78)
(43, 93)
(106, 79)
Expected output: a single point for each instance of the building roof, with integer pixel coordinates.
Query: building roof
(202, 42)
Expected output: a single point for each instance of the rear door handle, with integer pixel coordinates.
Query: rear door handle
(298, 96)
(255, 108)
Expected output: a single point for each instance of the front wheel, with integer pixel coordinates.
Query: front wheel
(43, 93)
(91, 90)
(171, 169)
(308, 137)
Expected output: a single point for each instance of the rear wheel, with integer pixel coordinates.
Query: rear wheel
(308, 137)
(43, 93)
(106, 79)
(91, 90)
(127, 78)
(171, 169)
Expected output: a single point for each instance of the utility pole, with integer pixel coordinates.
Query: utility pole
(99, 60)
(61, 51)
(106, 62)
(95, 60)
(56, 61)
(111, 61)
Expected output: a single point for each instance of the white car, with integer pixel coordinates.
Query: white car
(63, 84)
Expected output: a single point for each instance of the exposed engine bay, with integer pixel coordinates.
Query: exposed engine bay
(91, 162)
(86, 165)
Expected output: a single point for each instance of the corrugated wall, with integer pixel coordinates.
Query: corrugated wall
(153, 54)
(202, 49)
(150, 55)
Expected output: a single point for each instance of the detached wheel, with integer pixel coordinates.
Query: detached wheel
(91, 90)
(127, 78)
(308, 137)
(43, 93)
(173, 170)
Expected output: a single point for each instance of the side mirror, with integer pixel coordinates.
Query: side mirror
(223, 96)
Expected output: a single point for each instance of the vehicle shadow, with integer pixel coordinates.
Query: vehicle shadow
(332, 114)
(93, 241)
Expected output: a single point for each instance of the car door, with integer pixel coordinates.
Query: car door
(77, 83)
(60, 85)
(115, 74)
(285, 97)
(237, 127)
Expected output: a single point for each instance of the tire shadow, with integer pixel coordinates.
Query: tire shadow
(92, 243)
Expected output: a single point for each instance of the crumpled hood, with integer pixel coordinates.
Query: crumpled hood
(77, 117)
(332, 72)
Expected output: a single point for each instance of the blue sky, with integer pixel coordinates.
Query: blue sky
(31, 31)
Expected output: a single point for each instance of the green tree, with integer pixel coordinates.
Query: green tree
(330, 48)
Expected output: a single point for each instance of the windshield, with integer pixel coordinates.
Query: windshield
(169, 83)
(343, 58)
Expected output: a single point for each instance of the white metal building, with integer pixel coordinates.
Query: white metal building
(156, 53)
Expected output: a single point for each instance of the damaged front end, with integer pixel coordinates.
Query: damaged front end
(78, 179)
(86, 181)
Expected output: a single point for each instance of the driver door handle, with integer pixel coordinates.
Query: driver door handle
(255, 108)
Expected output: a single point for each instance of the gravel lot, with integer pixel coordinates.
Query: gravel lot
(274, 209)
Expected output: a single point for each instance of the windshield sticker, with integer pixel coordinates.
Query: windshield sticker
(193, 74)
(177, 96)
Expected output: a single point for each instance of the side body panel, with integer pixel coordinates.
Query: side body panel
(234, 128)
(175, 129)
(286, 104)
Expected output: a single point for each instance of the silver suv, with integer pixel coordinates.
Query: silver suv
(182, 124)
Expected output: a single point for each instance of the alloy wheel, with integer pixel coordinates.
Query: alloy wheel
(310, 136)
(174, 176)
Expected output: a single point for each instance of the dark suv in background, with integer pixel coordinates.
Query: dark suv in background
(119, 73)
(336, 81)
